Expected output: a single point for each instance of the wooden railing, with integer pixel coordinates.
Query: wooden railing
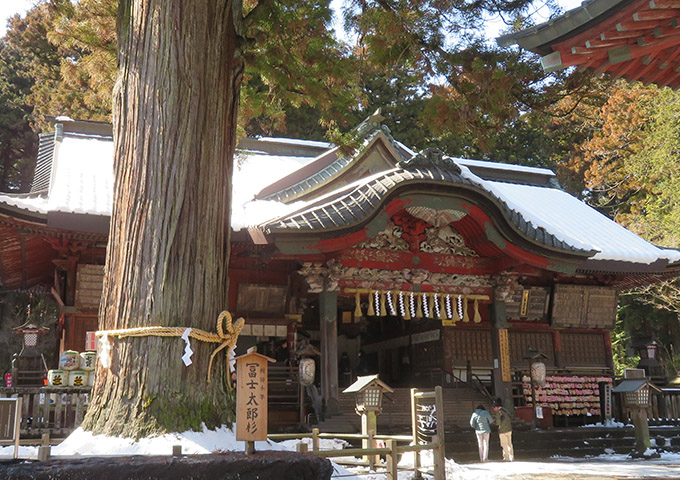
(56, 411)
(370, 457)
(665, 407)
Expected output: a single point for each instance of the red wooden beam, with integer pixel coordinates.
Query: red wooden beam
(606, 25)
(666, 59)
(660, 77)
(652, 67)
(559, 60)
(629, 52)
(658, 4)
(615, 34)
(656, 14)
(628, 25)
(622, 69)
(606, 43)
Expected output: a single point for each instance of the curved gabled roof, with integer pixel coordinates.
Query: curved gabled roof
(326, 167)
(362, 201)
(544, 215)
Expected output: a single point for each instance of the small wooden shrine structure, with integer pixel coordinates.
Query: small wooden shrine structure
(424, 269)
(635, 40)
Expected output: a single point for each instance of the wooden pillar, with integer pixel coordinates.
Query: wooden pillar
(642, 441)
(607, 337)
(498, 321)
(557, 347)
(328, 309)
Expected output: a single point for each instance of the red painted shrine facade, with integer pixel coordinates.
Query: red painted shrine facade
(421, 268)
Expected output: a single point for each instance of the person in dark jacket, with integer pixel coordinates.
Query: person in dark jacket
(481, 421)
(503, 420)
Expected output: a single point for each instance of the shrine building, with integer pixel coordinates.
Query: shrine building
(422, 268)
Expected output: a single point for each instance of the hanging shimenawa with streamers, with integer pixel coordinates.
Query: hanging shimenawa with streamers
(390, 304)
(382, 303)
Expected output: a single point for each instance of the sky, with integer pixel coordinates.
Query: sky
(9, 8)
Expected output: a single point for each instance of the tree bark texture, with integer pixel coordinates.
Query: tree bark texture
(175, 107)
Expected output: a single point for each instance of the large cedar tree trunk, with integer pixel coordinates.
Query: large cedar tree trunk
(175, 111)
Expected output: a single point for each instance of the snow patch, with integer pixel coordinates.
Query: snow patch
(607, 424)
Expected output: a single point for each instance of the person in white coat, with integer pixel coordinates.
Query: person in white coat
(481, 421)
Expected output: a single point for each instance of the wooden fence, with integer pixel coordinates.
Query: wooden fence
(370, 457)
(56, 411)
(427, 433)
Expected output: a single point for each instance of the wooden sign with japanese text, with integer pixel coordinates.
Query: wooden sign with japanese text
(504, 345)
(10, 421)
(251, 397)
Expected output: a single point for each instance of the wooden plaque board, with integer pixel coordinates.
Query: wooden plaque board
(10, 421)
(504, 345)
(251, 397)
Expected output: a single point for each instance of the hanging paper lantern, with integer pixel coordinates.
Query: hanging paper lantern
(307, 370)
(538, 373)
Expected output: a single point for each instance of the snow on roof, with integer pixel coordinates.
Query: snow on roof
(504, 166)
(82, 183)
(253, 172)
(82, 178)
(293, 141)
(36, 204)
(573, 222)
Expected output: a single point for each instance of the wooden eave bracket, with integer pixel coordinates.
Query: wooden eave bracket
(552, 62)
(257, 236)
(663, 4)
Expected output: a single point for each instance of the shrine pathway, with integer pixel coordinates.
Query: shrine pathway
(562, 469)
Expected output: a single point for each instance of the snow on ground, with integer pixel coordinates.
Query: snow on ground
(81, 443)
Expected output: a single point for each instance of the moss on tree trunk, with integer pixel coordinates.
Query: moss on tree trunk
(175, 110)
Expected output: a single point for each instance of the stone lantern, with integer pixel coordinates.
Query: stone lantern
(637, 396)
(368, 391)
(649, 361)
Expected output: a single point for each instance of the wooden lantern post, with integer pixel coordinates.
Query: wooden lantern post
(637, 396)
(368, 391)
(251, 398)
